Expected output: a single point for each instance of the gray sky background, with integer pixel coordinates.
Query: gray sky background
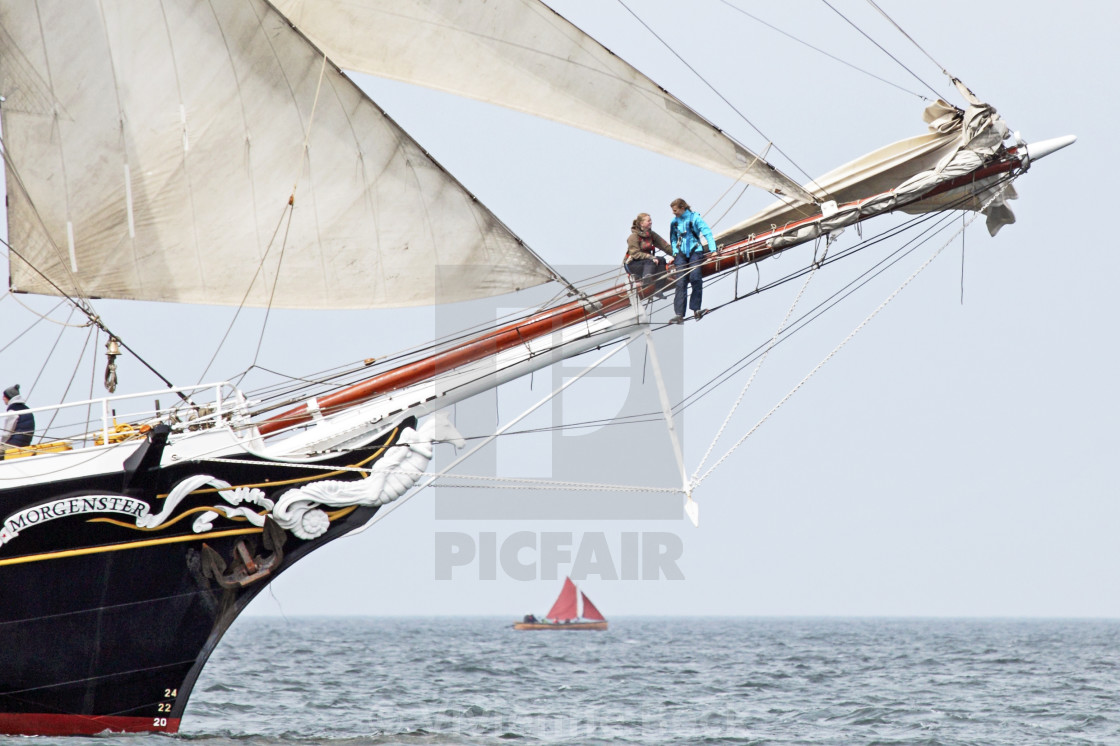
(952, 460)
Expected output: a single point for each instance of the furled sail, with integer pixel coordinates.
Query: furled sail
(523, 55)
(152, 148)
(894, 177)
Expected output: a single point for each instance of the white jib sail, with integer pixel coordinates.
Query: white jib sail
(152, 148)
(523, 55)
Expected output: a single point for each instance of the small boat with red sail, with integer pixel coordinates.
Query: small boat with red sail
(565, 613)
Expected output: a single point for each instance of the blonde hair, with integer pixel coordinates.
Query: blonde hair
(637, 224)
(678, 202)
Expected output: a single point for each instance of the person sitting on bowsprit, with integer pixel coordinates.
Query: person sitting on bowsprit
(688, 254)
(16, 425)
(641, 256)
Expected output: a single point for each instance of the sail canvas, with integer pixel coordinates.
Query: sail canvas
(207, 153)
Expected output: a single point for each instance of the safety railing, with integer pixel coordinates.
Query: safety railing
(114, 419)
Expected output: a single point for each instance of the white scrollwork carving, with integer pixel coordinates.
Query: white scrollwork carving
(300, 510)
(394, 474)
(181, 490)
(205, 522)
(252, 495)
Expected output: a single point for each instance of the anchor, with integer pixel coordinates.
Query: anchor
(245, 568)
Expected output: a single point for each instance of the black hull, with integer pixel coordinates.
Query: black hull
(107, 626)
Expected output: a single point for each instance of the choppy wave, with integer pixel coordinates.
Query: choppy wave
(476, 682)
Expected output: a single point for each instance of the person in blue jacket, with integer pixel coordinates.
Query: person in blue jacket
(685, 234)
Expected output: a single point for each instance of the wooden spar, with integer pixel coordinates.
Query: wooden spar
(604, 303)
(488, 344)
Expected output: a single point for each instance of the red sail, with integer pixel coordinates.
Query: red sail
(589, 610)
(564, 609)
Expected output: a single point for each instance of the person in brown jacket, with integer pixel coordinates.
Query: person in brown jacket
(641, 258)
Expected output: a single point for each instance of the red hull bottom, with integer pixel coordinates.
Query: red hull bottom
(44, 724)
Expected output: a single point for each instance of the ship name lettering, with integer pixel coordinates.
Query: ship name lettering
(16, 522)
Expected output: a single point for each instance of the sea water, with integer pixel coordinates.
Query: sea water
(650, 681)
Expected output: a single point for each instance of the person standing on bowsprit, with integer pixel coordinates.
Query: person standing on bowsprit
(685, 234)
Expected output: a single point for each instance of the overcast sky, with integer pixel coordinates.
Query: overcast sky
(954, 459)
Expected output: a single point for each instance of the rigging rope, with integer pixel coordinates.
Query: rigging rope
(725, 100)
(916, 44)
(830, 302)
(50, 354)
(759, 157)
(962, 263)
(730, 207)
(42, 317)
(289, 210)
(82, 302)
(652, 416)
(63, 260)
(826, 54)
(35, 323)
(884, 51)
(525, 483)
(751, 357)
(275, 284)
(245, 297)
(73, 375)
(853, 333)
(770, 346)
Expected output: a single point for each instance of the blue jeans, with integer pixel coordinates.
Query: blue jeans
(646, 270)
(688, 269)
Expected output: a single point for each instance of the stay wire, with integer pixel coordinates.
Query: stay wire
(939, 223)
(94, 319)
(36, 322)
(73, 375)
(850, 336)
(809, 316)
(82, 302)
(50, 354)
(289, 209)
(884, 51)
(272, 295)
(362, 369)
(826, 54)
(723, 98)
(240, 308)
(799, 273)
(63, 260)
(759, 157)
(890, 20)
(769, 347)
